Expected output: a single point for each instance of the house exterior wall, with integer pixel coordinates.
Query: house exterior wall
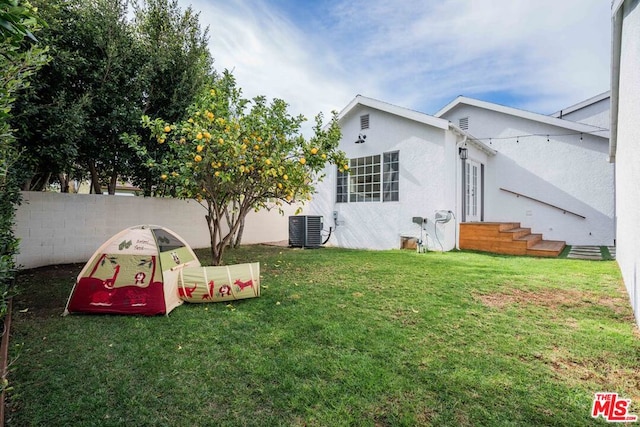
(427, 183)
(57, 228)
(566, 172)
(628, 155)
(596, 114)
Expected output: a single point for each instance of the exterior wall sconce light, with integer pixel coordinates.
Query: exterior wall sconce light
(464, 153)
(361, 138)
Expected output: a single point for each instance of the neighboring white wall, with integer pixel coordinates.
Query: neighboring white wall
(596, 114)
(56, 228)
(566, 172)
(628, 155)
(427, 179)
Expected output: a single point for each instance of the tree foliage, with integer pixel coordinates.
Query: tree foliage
(234, 155)
(19, 60)
(107, 70)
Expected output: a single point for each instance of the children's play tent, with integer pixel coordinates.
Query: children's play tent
(148, 269)
(134, 272)
(213, 284)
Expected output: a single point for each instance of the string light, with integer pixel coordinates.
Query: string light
(548, 136)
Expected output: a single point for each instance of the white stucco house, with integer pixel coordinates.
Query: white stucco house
(558, 167)
(473, 162)
(404, 164)
(625, 141)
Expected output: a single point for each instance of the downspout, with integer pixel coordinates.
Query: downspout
(616, 42)
(616, 46)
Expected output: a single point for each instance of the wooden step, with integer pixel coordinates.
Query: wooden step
(547, 248)
(506, 238)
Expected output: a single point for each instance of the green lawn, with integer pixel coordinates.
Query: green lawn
(338, 338)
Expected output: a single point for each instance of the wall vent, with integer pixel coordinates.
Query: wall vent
(463, 123)
(364, 122)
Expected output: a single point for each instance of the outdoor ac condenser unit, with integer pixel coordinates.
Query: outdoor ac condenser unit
(305, 231)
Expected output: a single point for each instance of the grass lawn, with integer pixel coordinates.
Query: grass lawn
(338, 338)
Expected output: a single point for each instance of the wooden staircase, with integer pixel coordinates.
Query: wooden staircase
(507, 238)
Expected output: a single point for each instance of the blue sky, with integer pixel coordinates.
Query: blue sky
(538, 55)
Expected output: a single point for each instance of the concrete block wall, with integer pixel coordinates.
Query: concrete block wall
(56, 228)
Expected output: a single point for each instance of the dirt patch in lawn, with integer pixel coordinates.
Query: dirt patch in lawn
(598, 370)
(554, 299)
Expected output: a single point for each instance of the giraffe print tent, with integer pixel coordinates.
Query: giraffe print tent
(134, 272)
(150, 270)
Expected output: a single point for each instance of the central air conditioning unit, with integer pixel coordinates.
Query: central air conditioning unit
(305, 231)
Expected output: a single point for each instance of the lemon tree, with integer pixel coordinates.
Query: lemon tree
(235, 155)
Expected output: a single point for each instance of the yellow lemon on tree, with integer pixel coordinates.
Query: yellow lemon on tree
(324, 156)
(163, 177)
(256, 147)
(303, 160)
(199, 148)
(167, 129)
(314, 150)
(280, 185)
(199, 136)
(198, 158)
(285, 177)
(217, 173)
(345, 167)
(207, 135)
(268, 162)
(161, 140)
(220, 141)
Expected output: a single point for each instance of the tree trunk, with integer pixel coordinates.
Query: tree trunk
(95, 180)
(64, 182)
(238, 238)
(113, 182)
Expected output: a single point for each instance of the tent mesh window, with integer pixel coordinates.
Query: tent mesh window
(166, 241)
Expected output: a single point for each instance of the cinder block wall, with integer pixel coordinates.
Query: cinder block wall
(56, 228)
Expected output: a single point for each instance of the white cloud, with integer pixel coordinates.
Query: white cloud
(541, 55)
(271, 56)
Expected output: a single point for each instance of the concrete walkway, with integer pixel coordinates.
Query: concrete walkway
(589, 252)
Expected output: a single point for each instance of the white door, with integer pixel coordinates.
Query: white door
(473, 194)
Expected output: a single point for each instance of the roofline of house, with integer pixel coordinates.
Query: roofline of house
(415, 116)
(616, 42)
(581, 105)
(395, 110)
(553, 121)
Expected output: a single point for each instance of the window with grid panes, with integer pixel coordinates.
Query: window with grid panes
(391, 177)
(370, 180)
